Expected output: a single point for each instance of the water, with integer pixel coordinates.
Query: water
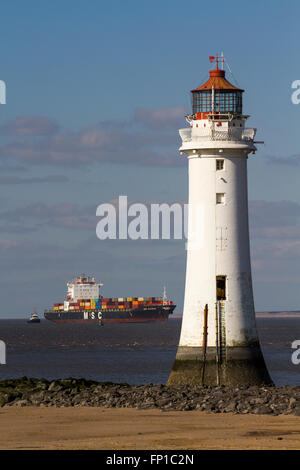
(132, 353)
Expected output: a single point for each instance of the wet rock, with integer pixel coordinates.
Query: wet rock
(81, 392)
(231, 407)
(296, 411)
(263, 410)
(292, 402)
(22, 403)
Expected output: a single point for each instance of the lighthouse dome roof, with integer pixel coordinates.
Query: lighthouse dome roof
(218, 80)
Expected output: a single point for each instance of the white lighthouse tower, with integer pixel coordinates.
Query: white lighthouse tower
(219, 342)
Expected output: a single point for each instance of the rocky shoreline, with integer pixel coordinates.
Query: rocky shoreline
(81, 392)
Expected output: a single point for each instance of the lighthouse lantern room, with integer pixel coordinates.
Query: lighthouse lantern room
(217, 98)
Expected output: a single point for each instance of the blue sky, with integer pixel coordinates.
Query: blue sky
(96, 92)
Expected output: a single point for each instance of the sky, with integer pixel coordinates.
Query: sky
(95, 94)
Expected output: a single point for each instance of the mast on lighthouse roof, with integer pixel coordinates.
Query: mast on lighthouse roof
(218, 342)
(217, 96)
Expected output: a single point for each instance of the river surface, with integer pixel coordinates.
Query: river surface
(132, 353)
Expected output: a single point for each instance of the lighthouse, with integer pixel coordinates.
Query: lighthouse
(219, 343)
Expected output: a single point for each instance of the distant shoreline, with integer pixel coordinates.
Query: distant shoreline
(291, 314)
(294, 314)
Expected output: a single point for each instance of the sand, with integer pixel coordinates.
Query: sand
(103, 428)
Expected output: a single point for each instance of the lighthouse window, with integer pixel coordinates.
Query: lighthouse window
(224, 102)
(202, 102)
(220, 164)
(220, 198)
(221, 287)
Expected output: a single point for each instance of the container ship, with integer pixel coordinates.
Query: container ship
(84, 304)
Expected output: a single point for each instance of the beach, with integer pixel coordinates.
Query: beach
(119, 429)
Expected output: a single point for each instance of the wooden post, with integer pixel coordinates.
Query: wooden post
(204, 343)
(217, 344)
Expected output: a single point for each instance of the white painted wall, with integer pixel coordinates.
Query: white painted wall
(212, 255)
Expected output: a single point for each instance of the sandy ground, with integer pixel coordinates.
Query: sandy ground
(102, 428)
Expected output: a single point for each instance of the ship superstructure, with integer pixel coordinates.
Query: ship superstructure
(84, 287)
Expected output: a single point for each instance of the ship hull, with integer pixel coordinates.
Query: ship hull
(131, 315)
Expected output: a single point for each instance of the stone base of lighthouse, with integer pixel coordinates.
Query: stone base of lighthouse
(243, 365)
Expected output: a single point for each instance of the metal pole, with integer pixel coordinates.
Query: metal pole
(217, 346)
(204, 344)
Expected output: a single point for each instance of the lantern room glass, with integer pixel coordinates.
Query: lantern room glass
(224, 102)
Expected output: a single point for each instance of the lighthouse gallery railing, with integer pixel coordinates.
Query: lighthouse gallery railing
(213, 135)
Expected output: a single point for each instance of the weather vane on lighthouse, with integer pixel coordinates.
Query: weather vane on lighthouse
(217, 59)
(218, 342)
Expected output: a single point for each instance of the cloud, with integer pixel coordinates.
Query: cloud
(6, 244)
(292, 160)
(16, 229)
(275, 240)
(29, 126)
(36, 179)
(95, 145)
(64, 215)
(266, 214)
(149, 138)
(277, 220)
(162, 118)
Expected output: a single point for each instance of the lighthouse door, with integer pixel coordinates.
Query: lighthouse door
(221, 287)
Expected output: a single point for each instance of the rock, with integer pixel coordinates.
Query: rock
(3, 399)
(257, 401)
(54, 387)
(263, 410)
(296, 411)
(81, 392)
(163, 401)
(230, 407)
(292, 402)
(22, 403)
